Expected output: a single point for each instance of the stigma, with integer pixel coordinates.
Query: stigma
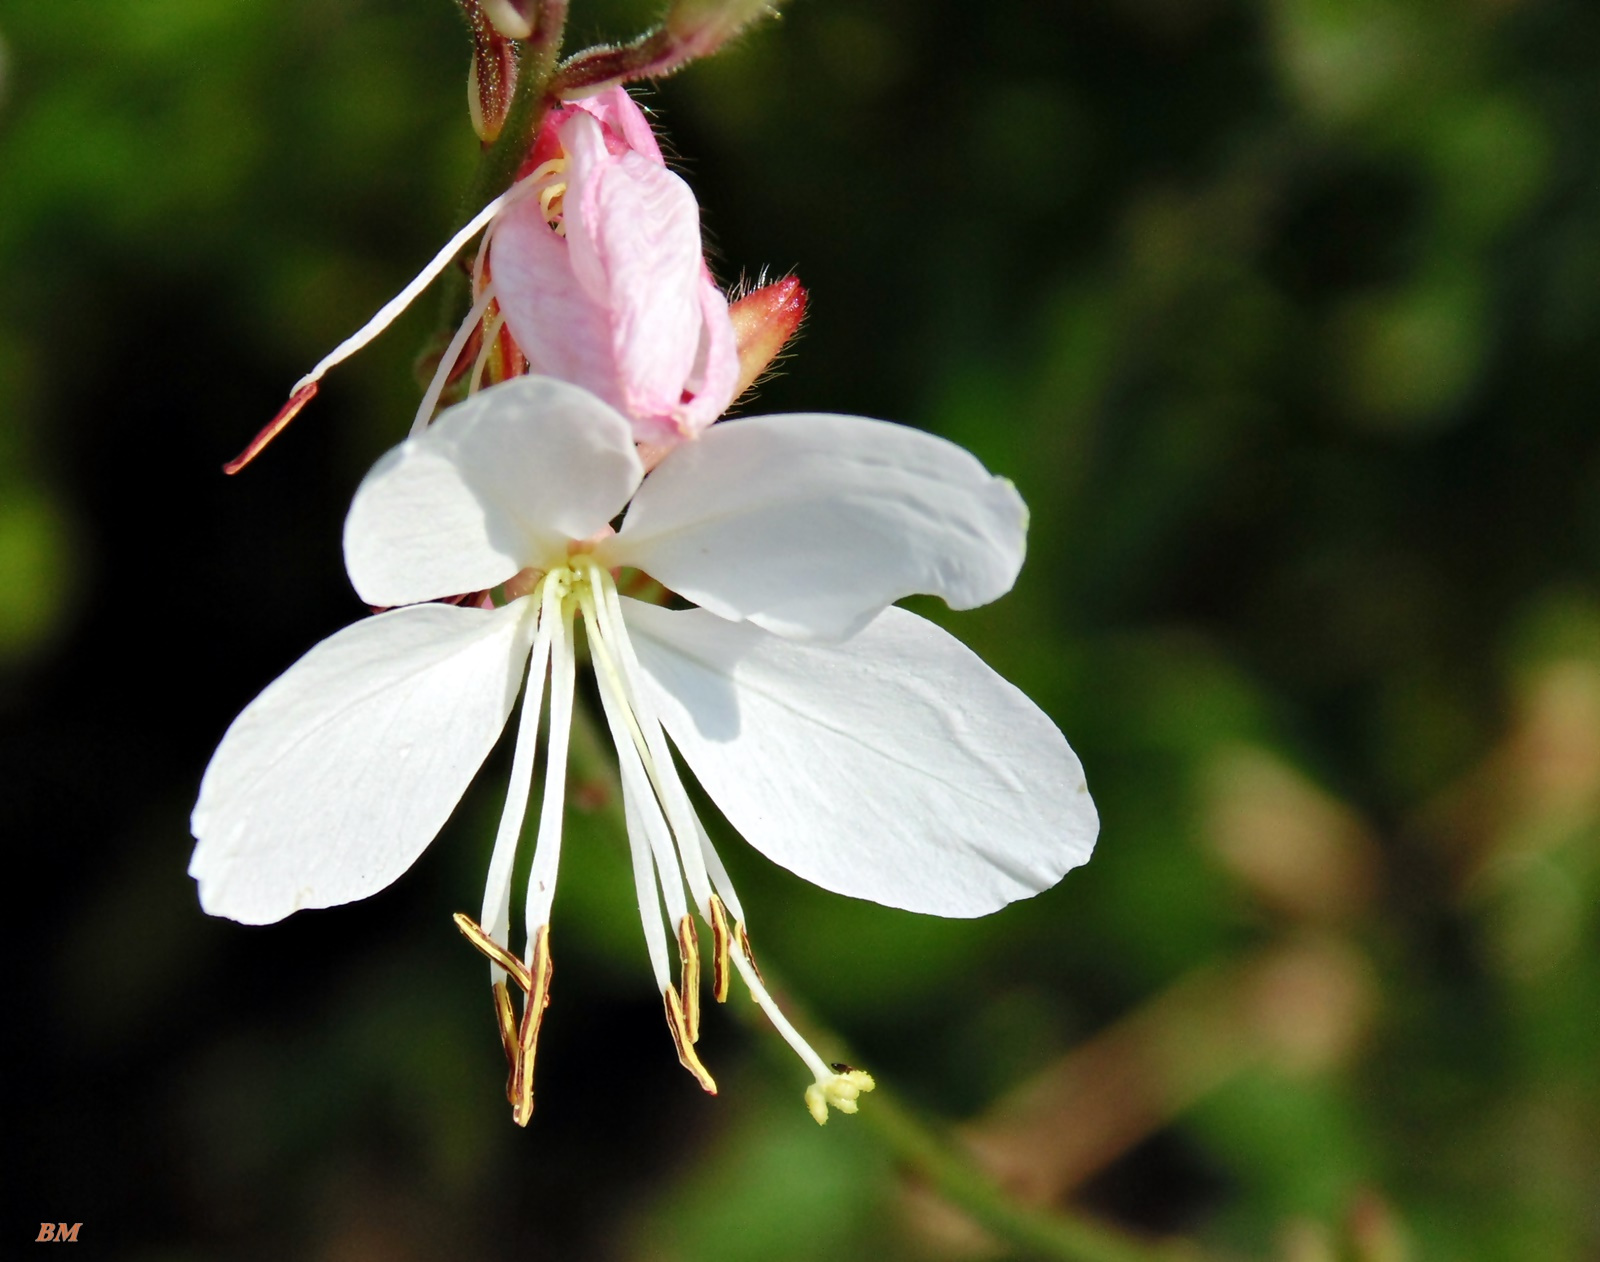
(841, 1088)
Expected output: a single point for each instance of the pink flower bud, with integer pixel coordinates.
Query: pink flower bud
(763, 322)
(600, 273)
(703, 26)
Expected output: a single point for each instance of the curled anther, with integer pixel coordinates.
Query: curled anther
(689, 958)
(274, 427)
(506, 1018)
(719, 950)
(744, 948)
(679, 1026)
(474, 933)
(521, 1089)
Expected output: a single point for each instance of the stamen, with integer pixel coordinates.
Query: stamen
(719, 950)
(547, 845)
(479, 261)
(390, 310)
(547, 168)
(744, 946)
(496, 914)
(506, 1018)
(447, 362)
(678, 1024)
(548, 197)
(552, 195)
(657, 758)
(689, 956)
(632, 752)
(273, 428)
(644, 818)
(305, 389)
(491, 340)
(504, 959)
(521, 1088)
(642, 800)
(719, 875)
(653, 795)
(647, 892)
(505, 1015)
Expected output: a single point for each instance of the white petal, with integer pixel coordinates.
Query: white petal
(331, 782)
(895, 766)
(809, 525)
(497, 483)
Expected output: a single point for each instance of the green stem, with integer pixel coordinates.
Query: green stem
(917, 1144)
(535, 70)
(498, 165)
(1033, 1232)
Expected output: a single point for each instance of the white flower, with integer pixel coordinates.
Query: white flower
(856, 744)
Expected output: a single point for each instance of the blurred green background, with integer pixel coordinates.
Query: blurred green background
(1284, 315)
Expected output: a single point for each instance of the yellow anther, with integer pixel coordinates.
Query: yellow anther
(521, 1090)
(680, 1037)
(550, 202)
(519, 1043)
(474, 934)
(547, 168)
(719, 950)
(744, 946)
(840, 1089)
(689, 958)
(506, 1018)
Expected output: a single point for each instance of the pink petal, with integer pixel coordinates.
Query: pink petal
(715, 379)
(633, 230)
(562, 330)
(622, 115)
(622, 304)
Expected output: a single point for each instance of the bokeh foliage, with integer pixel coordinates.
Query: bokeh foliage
(1285, 317)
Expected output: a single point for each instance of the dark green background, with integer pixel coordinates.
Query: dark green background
(1284, 317)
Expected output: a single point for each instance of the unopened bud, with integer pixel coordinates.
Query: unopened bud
(763, 322)
(492, 78)
(510, 17)
(692, 28)
(699, 27)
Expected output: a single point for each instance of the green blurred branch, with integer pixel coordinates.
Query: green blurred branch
(1034, 1232)
(918, 1144)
